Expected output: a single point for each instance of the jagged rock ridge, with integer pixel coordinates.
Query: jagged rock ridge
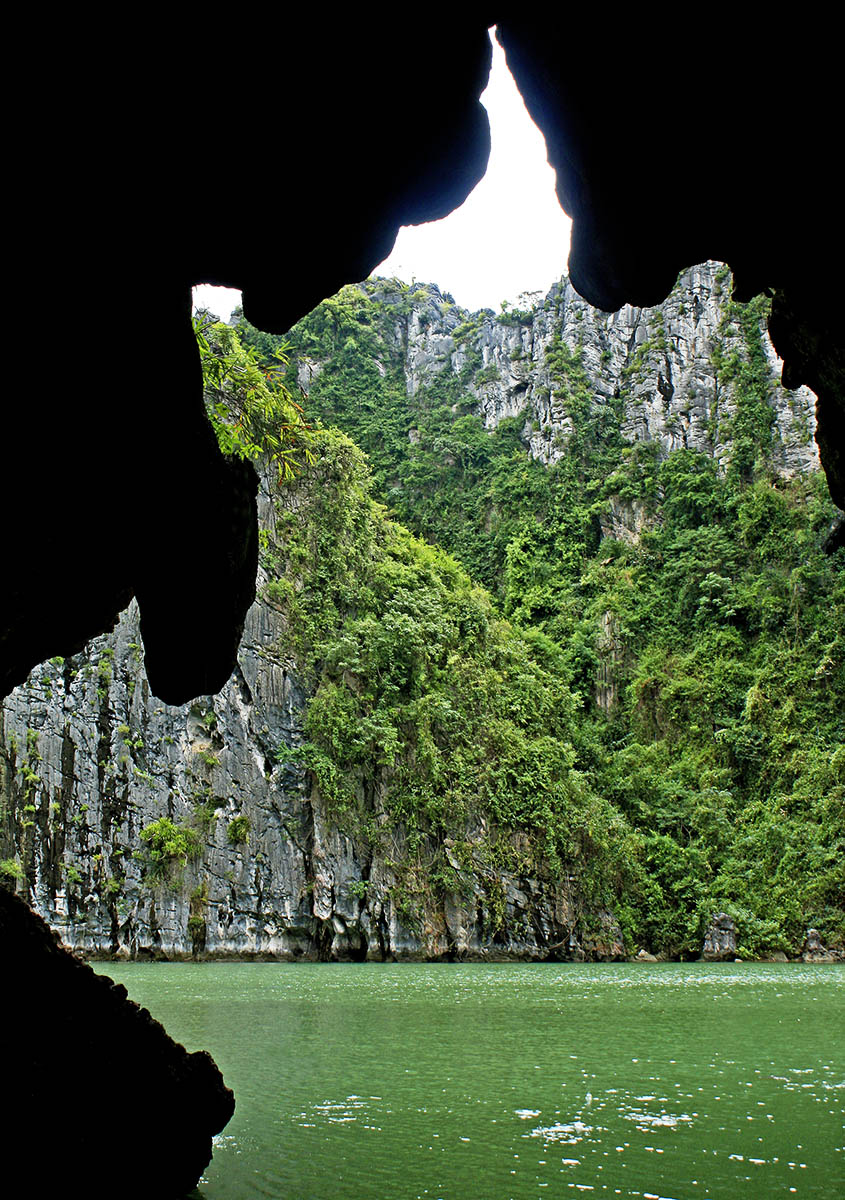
(668, 365)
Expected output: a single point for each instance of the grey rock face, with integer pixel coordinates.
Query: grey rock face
(667, 374)
(720, 939)
(603, 941)
(96, 760)
(610, 647)
(814, 951)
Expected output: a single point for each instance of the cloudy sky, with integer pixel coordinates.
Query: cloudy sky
(510, 236)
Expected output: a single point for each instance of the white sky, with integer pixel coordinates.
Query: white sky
(509, 237)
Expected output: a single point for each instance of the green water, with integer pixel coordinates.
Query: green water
(502, 1082)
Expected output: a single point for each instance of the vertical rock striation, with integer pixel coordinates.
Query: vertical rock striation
(667, 375)
(139, 829)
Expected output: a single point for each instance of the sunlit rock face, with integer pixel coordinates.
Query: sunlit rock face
(642, 207)
(666, 375)
(111, 759)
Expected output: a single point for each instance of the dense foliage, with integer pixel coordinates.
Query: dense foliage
(433, 462)
(668, 714)
(434, 725)
(726, 748)
(251, 410)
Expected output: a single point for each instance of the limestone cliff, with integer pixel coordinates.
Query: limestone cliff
(137, 828)
(666, 374)
(248, 860)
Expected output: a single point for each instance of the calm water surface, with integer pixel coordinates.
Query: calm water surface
(503, 1082)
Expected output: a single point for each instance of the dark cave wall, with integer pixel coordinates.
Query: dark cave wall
(293, 184)
(142, 179)
(137, 1110)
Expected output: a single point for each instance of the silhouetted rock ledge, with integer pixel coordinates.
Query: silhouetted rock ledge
(98, 1096)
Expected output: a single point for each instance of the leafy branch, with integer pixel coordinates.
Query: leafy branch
(251, 410)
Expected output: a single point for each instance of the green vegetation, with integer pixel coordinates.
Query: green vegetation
(237, 831)
(710, 776)
(73, 876)
(10, 870)
(497, 685)
(424, 697)
(197, 918)
(251, 410)
(725, 749)
(170, 847)
(432, 461)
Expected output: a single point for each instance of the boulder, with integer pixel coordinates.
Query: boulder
(720, 939)
(814, 951)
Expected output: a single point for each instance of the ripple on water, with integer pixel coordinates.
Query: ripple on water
(334, 1112)
(647, 1120)
(568, 1133)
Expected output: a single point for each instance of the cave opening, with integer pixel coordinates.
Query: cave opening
(507, 242)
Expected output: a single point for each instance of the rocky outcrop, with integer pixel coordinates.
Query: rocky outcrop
(670, 376)
(602, 941)
(611, 654)
(815, 951)
(138, 828)
(720, 939)
(144, 830)
(629, 241)
(644, 957)
(64, 1018)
